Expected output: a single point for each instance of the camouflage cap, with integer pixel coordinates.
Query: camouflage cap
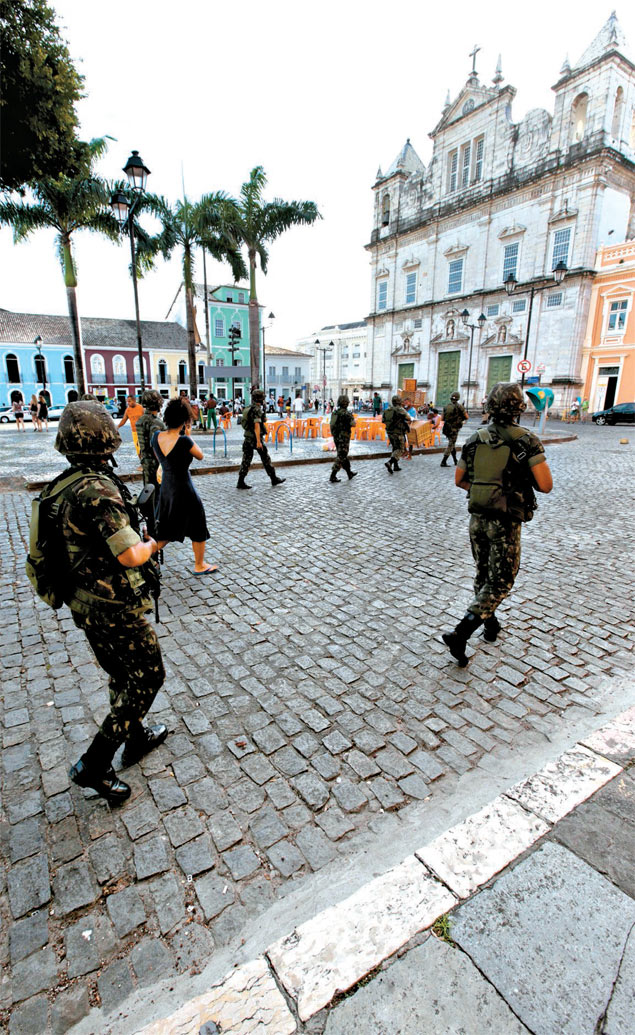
(86, 429)
(152, 401)
(396, 400)
(506, 400)
(455, 397)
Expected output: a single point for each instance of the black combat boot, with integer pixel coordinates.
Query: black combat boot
(242, 484)
(395, 465)
(334, 477)
(454, 457)
(444, 462)
(94, 769)
(275, 480)
(456, 640)
(491, 629)
(143, 740)
(352, 474)
(388, 465)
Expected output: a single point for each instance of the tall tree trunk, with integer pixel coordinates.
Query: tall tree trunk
(70, 280)
(254, 323)
(191, 344)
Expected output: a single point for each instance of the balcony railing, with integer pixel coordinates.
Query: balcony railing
(165, 380)
(120, 379)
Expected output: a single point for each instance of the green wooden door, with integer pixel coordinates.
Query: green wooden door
(405, 370)
(447, 377)
(499, 369)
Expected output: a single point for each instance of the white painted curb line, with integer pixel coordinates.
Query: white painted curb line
(335, 949)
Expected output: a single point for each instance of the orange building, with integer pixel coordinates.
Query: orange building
(608, 355)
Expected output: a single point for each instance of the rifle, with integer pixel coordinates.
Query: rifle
(144, 503)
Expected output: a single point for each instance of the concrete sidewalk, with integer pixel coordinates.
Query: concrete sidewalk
(519, 919)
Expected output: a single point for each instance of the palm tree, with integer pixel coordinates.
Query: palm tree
(189, 225)
(67, 204)
(257, 223)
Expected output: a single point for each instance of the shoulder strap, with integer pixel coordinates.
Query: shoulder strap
(517, 446)
(63, 481)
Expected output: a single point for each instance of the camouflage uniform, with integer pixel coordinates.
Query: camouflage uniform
(96, 523)
(251, 416)
(397, 423)
(146, 427)
(454, 417)
(342, 422)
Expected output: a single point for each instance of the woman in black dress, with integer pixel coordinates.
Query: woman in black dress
(180, 512)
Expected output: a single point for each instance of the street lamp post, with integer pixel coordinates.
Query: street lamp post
(38, 345)
(480, 323)
(324, 349)
(511, 284)
(265, 327)
(123, 211)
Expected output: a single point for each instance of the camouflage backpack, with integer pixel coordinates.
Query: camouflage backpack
(501, 484)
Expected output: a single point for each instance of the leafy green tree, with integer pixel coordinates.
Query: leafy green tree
(66, 204)
(39, 89)
(207, 223)
(258, 222)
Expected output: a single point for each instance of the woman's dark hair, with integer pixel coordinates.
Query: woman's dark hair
(176, 413)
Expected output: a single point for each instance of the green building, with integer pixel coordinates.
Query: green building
(228, 306)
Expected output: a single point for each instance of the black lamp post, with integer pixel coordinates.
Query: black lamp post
(264, 358)
(560, 271)
(123, 211)
(38, 345)
(324, 349)
(480, 323)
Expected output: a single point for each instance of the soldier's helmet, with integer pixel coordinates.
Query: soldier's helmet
(396, 400)
(455, 397)
(86, 429)
(343, 402)
(152, 401)
(506, 401)
(258, 396)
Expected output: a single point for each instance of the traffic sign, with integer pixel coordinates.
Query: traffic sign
(540, 369)
(524, 366)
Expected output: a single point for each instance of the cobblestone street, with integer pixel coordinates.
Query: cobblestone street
(309, 701)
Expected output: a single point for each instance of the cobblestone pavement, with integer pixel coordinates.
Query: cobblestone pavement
(307, 695)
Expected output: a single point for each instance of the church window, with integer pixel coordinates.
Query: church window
(561, 242)
(418, 325)
(453, 164)
(493, 310)
(385, 210)
(510, 260)
(382, 294)
(617, 315)
(411, 288)
(553, 301)
(455, 276)
(519, 305)
(479, 147)
(617, 113)
(466, 152)
(578, 117)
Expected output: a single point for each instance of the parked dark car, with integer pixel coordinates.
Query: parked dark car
(623, 413)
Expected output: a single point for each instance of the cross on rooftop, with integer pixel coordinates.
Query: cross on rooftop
(473, 54)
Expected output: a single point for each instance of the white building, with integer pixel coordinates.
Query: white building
(341, 361)
(287, 373)
(499, 197)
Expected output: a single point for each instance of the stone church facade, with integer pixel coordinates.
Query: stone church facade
(500, 198)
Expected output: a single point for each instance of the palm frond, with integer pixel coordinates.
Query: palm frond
(24, 218)
(278, 216)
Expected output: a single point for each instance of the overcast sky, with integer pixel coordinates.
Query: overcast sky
(319, 94)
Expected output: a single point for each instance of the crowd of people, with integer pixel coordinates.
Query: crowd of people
(38, 412)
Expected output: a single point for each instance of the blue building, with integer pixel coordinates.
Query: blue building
(36, 355)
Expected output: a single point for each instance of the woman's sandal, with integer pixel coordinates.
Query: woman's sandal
(208, 571)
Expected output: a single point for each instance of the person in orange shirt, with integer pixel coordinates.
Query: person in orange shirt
(134, 410)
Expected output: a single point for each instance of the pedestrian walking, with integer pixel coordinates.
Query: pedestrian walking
(298, 406)
(17, 408)
(499, 468)
(133, 411)
(42, 411)
(377, 405)
(342, 423)
(287, 406)
(180, 511)
(316, 405)
(255, 430)
(280, 405)
(108, 580)
(397, 423)
(454, 417)
(33, 408)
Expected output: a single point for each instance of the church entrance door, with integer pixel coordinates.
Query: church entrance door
(406, 370)
(447, 377)
(500, 369)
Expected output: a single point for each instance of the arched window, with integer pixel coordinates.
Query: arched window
(182, 372)
(97, 367)
(13, 369)
(40, 369)
(119, 370)
(69, 370)
(618, 108)
(578, 118)
(201, 373)
(385, 210)
(163, 372)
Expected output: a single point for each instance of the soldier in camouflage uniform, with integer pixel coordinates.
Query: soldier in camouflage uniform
(342, 422)
(146, 427)
(397, 423)
(499, 467)
(454, 417)
(255, 428)
(109, 594)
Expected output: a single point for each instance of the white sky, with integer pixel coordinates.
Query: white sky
(319, 94)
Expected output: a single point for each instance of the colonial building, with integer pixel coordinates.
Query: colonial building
(608, 354)
(340, 360)
(500, 197)
(35, 357)
(287, 373)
